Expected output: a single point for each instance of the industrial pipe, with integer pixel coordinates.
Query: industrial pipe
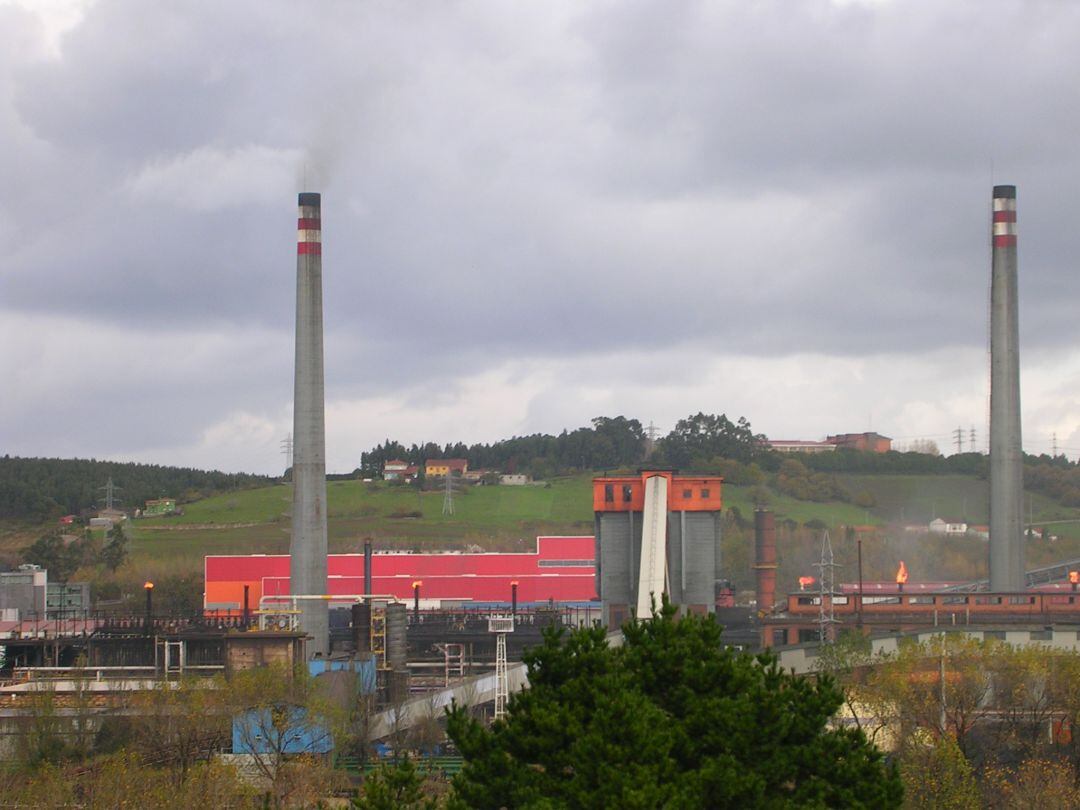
(328, 597)
(367, 566)
(148, 586)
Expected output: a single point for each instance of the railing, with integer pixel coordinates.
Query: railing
(1058, 572)
(26, 674)
(1021, 603)
(74, 624)
(474, 617)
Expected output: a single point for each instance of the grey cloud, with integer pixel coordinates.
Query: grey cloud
(543, 182)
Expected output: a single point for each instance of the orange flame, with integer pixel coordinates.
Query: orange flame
(805, 582)
(1074, 577)
(901, 574)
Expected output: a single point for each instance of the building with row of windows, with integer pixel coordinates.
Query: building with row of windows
(869, 442)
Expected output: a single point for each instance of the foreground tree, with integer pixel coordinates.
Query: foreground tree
(942, 685)
(937, 775)
(179, 723)
(670, 719)
(286, 724)
(397, 786)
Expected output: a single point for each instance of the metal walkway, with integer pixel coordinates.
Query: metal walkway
(472, 691)
(1058, 572)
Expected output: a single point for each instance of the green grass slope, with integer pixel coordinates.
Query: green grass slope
(509, 518)
(921, 498)
(257, 521)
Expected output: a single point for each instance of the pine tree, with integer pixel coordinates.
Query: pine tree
(670, 719)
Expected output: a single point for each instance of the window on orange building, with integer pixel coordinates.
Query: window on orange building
(627, 493)
(609, 493)
(704, 493)
(688, 493)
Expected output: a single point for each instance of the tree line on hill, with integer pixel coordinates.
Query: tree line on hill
(713, 444)
(609, 443)
(39, 489)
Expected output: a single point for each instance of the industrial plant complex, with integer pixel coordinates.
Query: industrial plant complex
(409, 625)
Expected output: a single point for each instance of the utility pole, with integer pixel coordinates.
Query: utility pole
(941, 681)
(1053, 445)
(958, 437)
(859, 604)
(971, 440)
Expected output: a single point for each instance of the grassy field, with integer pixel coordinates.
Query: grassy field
(498, 518)
(787, 508)
(509, 518)
(257, 521)
(920, 498)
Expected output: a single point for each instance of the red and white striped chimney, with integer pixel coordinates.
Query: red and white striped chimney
(307, 548)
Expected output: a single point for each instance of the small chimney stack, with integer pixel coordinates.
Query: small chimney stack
(765, 559)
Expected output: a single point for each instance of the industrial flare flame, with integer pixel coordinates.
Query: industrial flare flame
(1074, 577)
(901, 574)
(805, 582)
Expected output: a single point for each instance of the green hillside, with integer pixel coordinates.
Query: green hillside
(257, 521)
(509, 518)
(495, 517)
(921, 498)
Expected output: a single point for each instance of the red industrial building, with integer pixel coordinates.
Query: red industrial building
(892, 608)
(867, 442)
(560, 569)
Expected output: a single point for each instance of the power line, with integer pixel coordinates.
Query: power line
(287, 449)
(448, 497)
(110, 494)
(826, 587)
(651, 432)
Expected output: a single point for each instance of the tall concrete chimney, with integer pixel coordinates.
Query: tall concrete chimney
(1006, 460)
(308, 546)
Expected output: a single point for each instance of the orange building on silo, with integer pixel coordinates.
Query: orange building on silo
(656, 532)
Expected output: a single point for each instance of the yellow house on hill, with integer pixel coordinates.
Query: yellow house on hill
(441, 467)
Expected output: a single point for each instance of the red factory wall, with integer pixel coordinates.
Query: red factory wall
(561, 568)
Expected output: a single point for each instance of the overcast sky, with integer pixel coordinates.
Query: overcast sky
(533, 214)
